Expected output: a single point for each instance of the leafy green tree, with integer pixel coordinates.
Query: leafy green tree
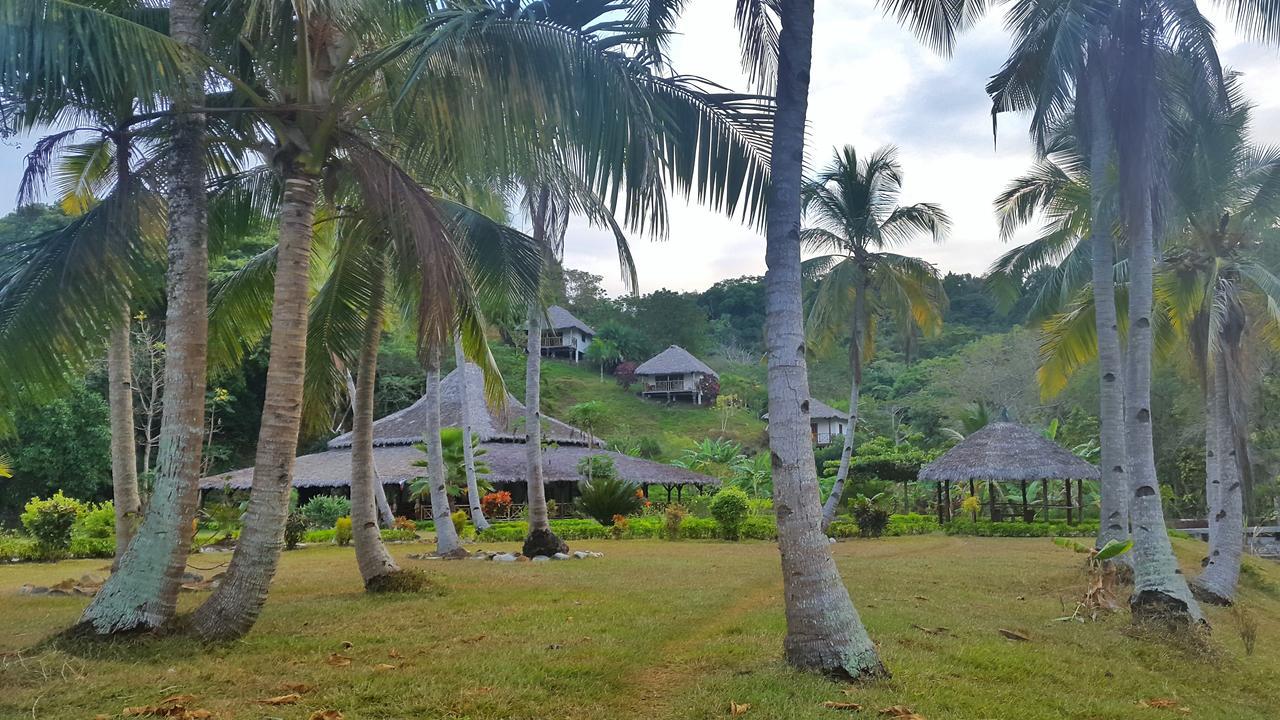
(669, 318)
(603, 352)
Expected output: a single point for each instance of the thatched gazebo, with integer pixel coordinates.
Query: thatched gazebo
(500, 430)
(1006, 452)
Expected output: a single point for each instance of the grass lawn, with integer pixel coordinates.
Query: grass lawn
(653, 630)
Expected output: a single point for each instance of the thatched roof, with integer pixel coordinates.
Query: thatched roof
(675, 360)
(505, 424)
(1007, 451)
(560, 319)
(506, 462)
(819, 410)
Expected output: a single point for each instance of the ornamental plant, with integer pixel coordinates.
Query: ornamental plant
(342, 531)
(496, 504)
(50, 522)
(730, 507)
(673, 518)
(322, 511)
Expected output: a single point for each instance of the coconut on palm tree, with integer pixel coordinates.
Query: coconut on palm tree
(854, 218)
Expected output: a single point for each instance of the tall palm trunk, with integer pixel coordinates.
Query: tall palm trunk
(1114, 490)
(540, 540)
(1159, 589)
(468, 453)
(855, 365)
(124, 460)
(142, 594)
(824, 632)
(386, 518)
(448, 544)
(371, 555)
(234, 606)
(1217, 584)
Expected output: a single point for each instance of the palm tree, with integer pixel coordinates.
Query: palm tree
(468, 451)
(824, 632)
(603, 351)
(852, 206)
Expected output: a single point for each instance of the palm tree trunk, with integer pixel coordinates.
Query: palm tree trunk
(372, 557)
(855, 365)
(468, 452)
(232, 609)
(1212, 458)
(124, 460)
(386, 518)
(824, 632)
(448, 544)
(1114, 490)
(540, 540)
(1217, 584)
(1160, 591)
(142, 593)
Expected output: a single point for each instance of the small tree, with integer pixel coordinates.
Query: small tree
(604, 495)
(709, 389)
(589, 416)
(725, 406)
(603, 352)
(625, 374)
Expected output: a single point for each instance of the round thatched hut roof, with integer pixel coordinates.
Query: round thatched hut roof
(560, 319)
(675, 360)
(1007, 451)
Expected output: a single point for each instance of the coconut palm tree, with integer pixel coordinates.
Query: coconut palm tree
(854, 215)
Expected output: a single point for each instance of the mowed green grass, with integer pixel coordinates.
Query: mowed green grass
(652, 630)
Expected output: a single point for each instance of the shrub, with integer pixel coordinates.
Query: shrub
(618, 527)
(404, 523)
(871, 518)
(625, 374)
(317, 537)
(709, 386)
(459, 518)
(729, 507)
(342, 531)
(672, 519)
(399, 534)
(912, 524)
(295, 527)
(606, 496)
(698, 505)
(759, 527)
(50, 522)
(496, 504)
(323, 511)
(986, 528)
(648, 448)
(94, 532)
(19, 547)
(843, 529)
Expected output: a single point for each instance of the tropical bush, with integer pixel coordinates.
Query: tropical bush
(673, 517)
(295, 528)
(758, 527)
(19, 548)
(342, 531)
(729, 507)
(618, 528)
(843, 529)
(459, 518)
(496, 504)
(94, 532)
(911, 524)
(50, 522)
(871, 517)
(403, 523)
(605, 496)
(323, 511)
(399, 534)
(987, 528)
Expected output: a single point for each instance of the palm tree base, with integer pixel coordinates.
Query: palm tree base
(856, 667)
(1153, 607)
(543, 542)
(399, 581)
(1211, 596)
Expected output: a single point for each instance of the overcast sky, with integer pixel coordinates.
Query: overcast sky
(873, 84)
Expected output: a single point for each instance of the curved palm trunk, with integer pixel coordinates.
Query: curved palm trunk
(234, 606)
(371, 554)
(124, 461)
(448, 544)
(1114, 490)
(386, 517)
(1159, 589)
(468, 453)
(1217, 584)
(824, 632)
(540, 540)
(855, 364)
(143, 591)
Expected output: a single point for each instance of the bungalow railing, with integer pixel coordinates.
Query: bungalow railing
(667, 386)
(552, 340)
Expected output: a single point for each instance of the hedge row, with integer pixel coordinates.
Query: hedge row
(987, 528)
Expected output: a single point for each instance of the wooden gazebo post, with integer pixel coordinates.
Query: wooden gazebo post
(947, 493)
(1024, 502)
(940, 520)
(1068, 486)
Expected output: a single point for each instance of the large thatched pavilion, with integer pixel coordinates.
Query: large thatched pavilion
(1006, 452)
(500, 431)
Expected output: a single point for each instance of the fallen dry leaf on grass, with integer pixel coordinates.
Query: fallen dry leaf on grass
(289, 699)
(902, 712)
(299, 688)
(1013, 635)
(932, 631)
(1163, 704)
(394, 654)
(921, 597)
(174, 706)
(337, 660)
(736, 709)
(325, 715)
(383, 667)
(834, 705)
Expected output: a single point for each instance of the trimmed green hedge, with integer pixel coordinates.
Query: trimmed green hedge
(317, 537)
(987, 528)
(912, 524)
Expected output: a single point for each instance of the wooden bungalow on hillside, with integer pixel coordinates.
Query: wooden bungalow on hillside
(565, 335)
(675, 375)
(826, 423)
(500, 431)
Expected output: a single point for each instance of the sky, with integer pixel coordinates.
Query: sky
(872, 84)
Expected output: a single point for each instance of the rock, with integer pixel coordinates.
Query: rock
(560, 556)
(480, 555)
(581, 554)
(505, 558)
(831, 541)
(597, 554)
(542, 558)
